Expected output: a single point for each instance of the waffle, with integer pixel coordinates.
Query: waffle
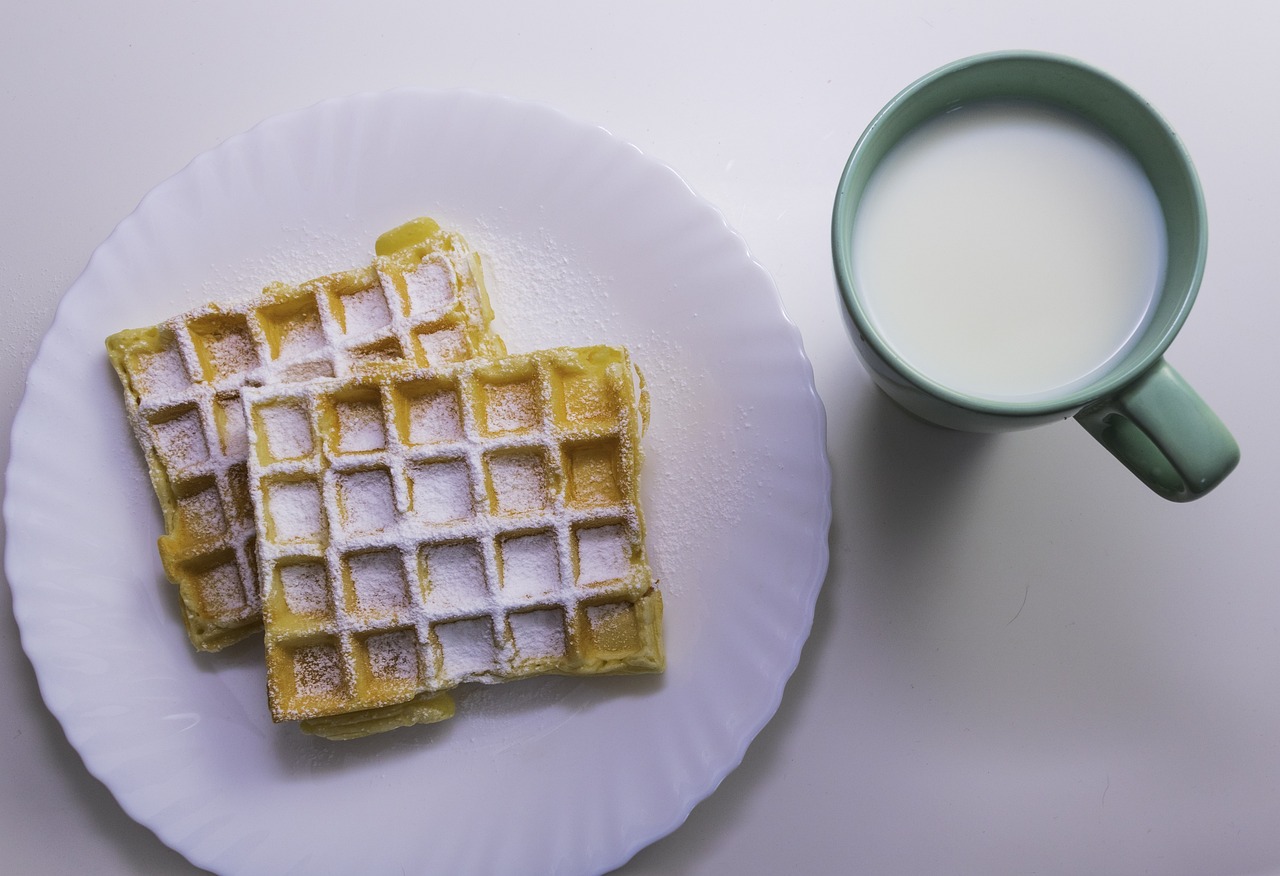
(421, 302)
(422, 528)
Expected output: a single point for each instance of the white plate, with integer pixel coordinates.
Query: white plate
(587, 240)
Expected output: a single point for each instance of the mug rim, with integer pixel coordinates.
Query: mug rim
(844, 211)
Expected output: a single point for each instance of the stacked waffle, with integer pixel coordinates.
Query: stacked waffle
(356, 465)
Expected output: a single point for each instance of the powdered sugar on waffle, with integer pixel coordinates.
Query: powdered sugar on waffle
(463, 538)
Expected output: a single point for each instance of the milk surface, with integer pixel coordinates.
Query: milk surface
(1008, 251)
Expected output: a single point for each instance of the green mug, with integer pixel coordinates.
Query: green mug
(1132, 402)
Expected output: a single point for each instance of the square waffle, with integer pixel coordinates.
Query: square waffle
(421, 302)
(422, 528)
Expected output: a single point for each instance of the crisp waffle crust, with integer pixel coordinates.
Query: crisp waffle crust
(425, 527)
(420, 303)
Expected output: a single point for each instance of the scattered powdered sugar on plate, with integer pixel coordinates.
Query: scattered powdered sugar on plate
(693, 481)
(302, 253)
(541, 294)
(499, 716)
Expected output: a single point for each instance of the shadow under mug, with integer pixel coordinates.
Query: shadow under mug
(1140, 408)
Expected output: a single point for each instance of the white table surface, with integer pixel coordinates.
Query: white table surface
(1021, 661)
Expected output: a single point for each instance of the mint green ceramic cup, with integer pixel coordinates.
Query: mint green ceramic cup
(1139, 408)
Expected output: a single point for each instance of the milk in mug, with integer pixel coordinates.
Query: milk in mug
(1008, 251)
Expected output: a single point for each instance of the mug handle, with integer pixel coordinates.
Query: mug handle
(1164, 433)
